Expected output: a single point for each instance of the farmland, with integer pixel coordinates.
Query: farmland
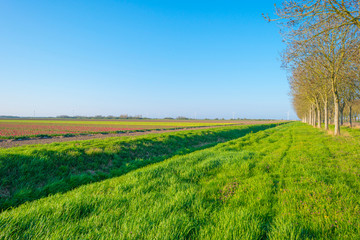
(43, 131)
(33, 128)
(290, 181)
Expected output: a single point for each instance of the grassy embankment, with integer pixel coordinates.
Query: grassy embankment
(31, 172)
(288, 182)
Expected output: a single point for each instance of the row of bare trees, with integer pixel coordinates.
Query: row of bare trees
(323, 58)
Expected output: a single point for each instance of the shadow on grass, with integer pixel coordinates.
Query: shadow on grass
(31, 172)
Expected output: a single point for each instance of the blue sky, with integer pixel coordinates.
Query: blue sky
(209, 59)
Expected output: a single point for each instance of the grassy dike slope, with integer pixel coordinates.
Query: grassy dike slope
(288, 182)
(31, 172)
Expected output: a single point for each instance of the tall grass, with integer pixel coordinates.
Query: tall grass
(288, 182)
(28, 173)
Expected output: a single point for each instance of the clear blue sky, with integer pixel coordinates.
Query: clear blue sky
(155, 58)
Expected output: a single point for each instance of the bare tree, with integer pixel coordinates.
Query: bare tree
(321, 38)
(308, 12)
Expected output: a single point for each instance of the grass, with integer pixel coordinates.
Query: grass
(31, 172)
(288, 182)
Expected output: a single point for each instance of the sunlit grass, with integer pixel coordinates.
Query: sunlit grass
(288, 182)
(31, 172)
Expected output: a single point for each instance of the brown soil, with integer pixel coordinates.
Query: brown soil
(9, 143)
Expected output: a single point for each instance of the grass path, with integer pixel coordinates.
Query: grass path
(288, 182)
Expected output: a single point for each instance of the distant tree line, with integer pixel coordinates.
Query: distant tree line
(322, 57)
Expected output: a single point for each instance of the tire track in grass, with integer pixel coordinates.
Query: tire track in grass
(285, 178)
(276, 178)
(232, 184)
(304, 162)
(254, 204)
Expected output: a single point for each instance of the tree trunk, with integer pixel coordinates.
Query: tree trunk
(336, 114)
(350, 119)
(326, 120)
(313, 119)
(318, 116)
(341, 117)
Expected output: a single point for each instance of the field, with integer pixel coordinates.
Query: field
(287, 181)
(33, 128)
(23, 128)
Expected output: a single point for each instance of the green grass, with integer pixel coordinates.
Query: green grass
(287, 182)
(31, 172)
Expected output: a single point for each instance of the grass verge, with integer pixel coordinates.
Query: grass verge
(31, 172)
(288, 182)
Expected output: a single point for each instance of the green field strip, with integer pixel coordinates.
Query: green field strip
(319, 199)
(31, 172)
(288, 182)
